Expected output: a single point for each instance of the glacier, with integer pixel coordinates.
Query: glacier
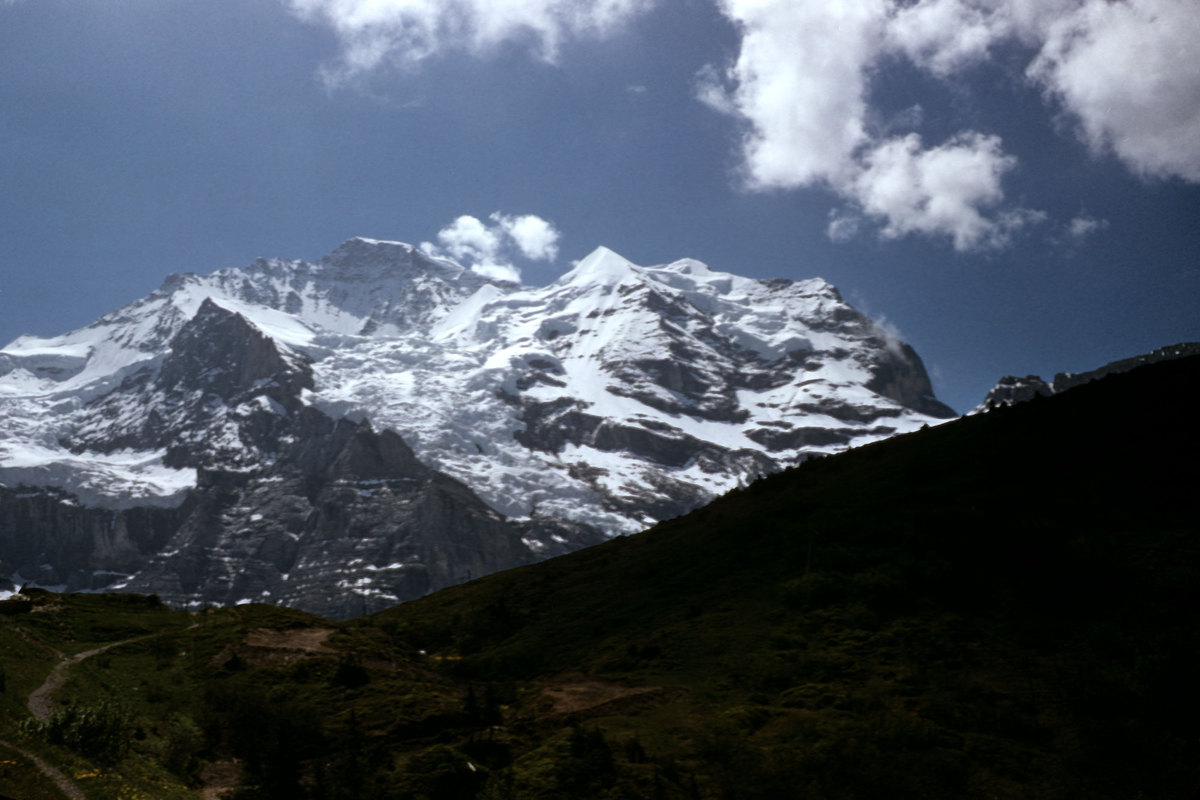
(596, 398)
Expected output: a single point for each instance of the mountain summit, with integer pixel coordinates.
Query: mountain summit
(616, 396)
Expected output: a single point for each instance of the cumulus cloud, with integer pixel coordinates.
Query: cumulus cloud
(1124, 69)
(799, 80)
(469, 240)
(800, 83)
(1128, 71)
(801, 87)
(943, 36)
(536, 238)
(943, 189)
(404, 32)
(490, 249)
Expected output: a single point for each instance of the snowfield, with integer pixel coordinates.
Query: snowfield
(604, 398)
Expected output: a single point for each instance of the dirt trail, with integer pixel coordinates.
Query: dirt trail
(63, 783)
(308, 640)
(41, 699)
(219, 779)
(572, 696)
(41, 703)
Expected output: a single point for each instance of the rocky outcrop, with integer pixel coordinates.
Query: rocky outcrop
(898, 373)
(1010, 390)
(1068, 380)
(219, 353)
(363, 527)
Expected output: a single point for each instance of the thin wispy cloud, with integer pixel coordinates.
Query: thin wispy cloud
(1083, 227)
(491, 249)
(375, 33)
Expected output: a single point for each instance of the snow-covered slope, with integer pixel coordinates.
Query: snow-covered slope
(614, 392)
(616, 396)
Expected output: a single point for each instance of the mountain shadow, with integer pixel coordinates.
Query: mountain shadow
(1003, 606)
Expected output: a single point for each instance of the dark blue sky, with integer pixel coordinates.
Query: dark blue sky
(142, 138)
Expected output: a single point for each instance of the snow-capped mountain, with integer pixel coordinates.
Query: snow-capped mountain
(614, 397)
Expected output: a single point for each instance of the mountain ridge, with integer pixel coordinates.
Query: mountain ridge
(1011, 389)
(614, 397)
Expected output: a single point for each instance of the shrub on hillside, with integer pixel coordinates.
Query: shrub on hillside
(102, 731)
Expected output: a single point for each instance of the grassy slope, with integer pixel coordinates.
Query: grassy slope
(1003, 606)
(31, 644)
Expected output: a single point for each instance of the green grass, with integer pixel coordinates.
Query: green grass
(23, 666)
(20, 778)
(95, 619)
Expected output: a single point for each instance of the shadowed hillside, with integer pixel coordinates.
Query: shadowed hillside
(1002, 606)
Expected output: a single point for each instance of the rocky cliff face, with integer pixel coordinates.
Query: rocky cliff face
(224, 397)
(290, 506)
(353, 525)
(359, 430)
(48, 538)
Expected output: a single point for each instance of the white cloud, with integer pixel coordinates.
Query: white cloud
(404, 32)
(1130, 73)
(801, 83)
(1084, 226)
(844, 225)
(536, 238)
(1123, 70)
(490, 249)
(799, 80)
(942, 36)
(944, 189)
(469, 240)
(1126, 69)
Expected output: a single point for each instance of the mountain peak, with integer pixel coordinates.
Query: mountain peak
(222, 352)
(602, 266)
(360, 250)
(375, 259)
(357, 245)
(688, 266)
